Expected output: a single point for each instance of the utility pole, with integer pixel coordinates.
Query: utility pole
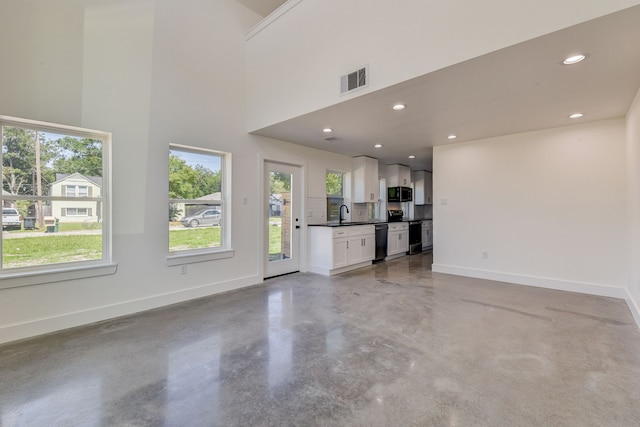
(39, 185)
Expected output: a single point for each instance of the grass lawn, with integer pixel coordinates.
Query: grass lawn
(275, 235)
(194, 238)
(73, 226)
(50, 249)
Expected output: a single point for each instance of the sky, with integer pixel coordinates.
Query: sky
(208, 161)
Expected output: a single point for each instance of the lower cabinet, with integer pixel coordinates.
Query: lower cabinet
(397, 239)
(335, 250)
(353, 250)
(427, 234)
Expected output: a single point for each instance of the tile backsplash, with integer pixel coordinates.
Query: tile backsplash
(362, 212)
(423, 211)
(316, 210)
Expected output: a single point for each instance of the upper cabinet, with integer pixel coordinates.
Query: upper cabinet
(365, 180)
(423, 188)
(398, 176)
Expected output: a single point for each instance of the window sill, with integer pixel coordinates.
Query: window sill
(192, 257)
(15, 280)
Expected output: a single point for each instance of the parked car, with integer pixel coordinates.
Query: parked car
(205, 217)
(11, 219)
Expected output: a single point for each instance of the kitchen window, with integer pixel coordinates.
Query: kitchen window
(199, 216)
(335, 194)
(56, 176)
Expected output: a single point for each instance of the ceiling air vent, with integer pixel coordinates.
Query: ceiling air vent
(332, 139)
(355, 80)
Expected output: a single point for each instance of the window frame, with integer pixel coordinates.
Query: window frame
(77, 210)
(76, 191)
(49, 273)
(225, 249)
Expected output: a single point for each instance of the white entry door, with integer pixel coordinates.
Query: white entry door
(283, 221)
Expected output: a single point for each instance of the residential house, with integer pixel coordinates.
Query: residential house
(76, 185)
(275, 204)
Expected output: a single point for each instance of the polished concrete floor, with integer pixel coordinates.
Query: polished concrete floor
(389, 345)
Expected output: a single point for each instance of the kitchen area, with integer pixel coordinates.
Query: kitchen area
(385, 213)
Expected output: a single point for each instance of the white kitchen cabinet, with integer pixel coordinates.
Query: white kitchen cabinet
(340, 258)
(398, 176)
(427, 234)
(397, 239)
(365, 180)
(423, 187)
(353, 250)
(360, 249)
(334, 250)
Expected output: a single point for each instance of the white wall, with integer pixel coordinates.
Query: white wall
(152, 72)
(295, 60)
(633, 191)
(548, 206)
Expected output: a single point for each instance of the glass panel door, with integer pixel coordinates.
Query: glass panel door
(283, 219)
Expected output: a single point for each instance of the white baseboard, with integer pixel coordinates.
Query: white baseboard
(33, 328)
(634, 308)
(331, 272)
(541, 282)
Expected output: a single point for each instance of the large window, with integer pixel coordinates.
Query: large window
(197, 212)
(335, 194)
(54, 176)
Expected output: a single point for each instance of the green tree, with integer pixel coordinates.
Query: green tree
(334, 184)
(73, 155)
(19, 161)
(208, 181)
(189, 182)
(279, 182)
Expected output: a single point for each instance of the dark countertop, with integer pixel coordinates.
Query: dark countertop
(348, 223)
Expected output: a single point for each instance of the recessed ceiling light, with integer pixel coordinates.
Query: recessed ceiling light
(412, 156)
(327, 130)
(399, 107)
(574, 59)
(452, 136)
(378, 146)
(576, 115)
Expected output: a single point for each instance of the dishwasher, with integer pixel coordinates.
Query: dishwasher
(415, 236)
(381, 242)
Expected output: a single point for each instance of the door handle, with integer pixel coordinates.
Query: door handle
(297, 227)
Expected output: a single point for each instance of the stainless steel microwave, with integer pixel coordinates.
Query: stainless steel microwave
(399, 194)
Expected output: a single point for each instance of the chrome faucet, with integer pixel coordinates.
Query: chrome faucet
(343, 206)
